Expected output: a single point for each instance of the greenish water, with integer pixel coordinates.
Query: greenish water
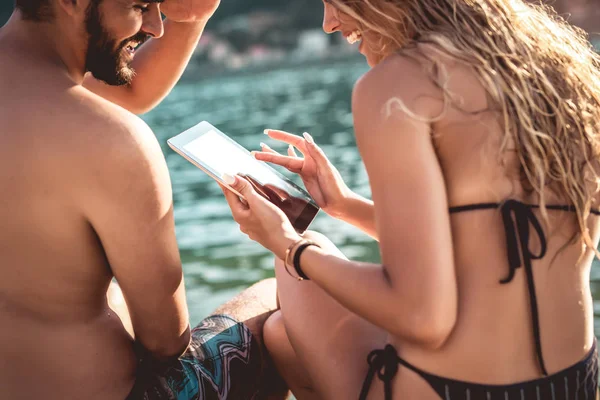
(218, 260)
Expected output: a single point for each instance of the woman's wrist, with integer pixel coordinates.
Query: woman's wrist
(292, 258)
(285, 243)
(340, 208)
(347, 209)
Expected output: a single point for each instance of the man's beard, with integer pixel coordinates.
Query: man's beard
(105, 59)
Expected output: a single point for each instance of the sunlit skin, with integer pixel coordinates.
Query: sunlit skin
(90, 200)
(67, 269)
(436, 295)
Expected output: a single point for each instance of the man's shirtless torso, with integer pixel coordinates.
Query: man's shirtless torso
(87, 198)
(57, 326)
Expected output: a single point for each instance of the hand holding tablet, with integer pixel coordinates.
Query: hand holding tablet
(216, 154)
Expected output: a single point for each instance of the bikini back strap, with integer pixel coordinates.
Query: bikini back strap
(517, 233)
(566, 208)
(518, 218)
(491, 206)
(474, 207)
(385, 363)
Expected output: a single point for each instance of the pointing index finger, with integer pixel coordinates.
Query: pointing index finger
(294, 140)
(294, 164)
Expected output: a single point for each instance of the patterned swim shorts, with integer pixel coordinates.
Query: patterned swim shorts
(223, 361)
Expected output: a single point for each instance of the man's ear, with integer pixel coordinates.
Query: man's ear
(72, 7)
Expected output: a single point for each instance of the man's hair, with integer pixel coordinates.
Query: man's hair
(35, 10)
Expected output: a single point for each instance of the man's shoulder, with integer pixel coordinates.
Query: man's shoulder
(101, 142)
(115, 154)
(103, 131)
(72, 122)
(95, 118)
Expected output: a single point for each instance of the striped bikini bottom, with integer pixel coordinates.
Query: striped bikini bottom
(578, 382)
(223, 361)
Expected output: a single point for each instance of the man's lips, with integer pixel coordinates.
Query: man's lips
(134, 43)
(132, 47)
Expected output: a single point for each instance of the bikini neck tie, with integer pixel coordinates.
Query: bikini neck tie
(385, 364)
(518, 237)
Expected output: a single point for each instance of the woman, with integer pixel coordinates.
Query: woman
(478, 126)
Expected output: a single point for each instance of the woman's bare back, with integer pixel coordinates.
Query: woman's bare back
(493, 340)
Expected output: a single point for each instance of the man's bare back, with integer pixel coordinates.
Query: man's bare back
(58, 326)
(87, 198)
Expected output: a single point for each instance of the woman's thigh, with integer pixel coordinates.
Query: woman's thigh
(330, 342)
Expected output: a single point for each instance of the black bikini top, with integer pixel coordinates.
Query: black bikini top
(517, 232)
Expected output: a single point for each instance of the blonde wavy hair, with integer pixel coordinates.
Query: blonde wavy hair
(540, 73)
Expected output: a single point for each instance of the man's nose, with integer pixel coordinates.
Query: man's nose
(331, 22)
(153, 23)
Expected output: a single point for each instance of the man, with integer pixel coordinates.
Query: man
(87, 197)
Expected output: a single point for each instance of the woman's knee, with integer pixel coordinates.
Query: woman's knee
(274, 331)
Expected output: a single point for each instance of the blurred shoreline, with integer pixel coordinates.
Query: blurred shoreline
(248, 38)
(204, 71)
(267, 39)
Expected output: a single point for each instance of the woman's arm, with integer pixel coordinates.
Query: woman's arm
(359, 212)
(413, 295)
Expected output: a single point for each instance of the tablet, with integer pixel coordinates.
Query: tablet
(217, 154)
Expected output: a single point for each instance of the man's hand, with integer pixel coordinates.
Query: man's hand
(189, 10)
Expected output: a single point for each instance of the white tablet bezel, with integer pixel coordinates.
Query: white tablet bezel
(179, 142)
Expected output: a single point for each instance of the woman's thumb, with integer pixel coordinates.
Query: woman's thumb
(240, 185)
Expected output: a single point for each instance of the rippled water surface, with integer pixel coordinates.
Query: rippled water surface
(218, 260)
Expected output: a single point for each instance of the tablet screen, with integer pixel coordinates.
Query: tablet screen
(222, 156)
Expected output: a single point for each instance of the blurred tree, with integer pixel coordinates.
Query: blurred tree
(307, 13)
(6, 8)
(583, 13)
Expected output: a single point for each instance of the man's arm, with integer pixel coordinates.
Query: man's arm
(116, 301)
(160, 62)
(126, 198)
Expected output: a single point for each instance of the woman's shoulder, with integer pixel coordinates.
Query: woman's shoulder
(399, 79)
(425, 77)
(415, 64)
(398, 71)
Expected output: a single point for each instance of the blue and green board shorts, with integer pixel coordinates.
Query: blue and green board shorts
(223, 361)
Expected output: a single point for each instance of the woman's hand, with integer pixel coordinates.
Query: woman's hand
(189, 10)
(258, 218)
(321, 178)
